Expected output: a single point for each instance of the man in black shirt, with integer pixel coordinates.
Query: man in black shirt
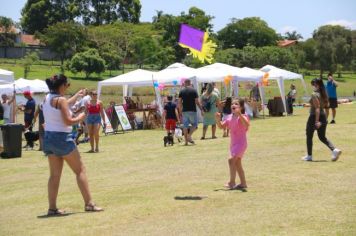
(188, 100)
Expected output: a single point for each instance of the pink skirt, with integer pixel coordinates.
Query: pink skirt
(238, 150)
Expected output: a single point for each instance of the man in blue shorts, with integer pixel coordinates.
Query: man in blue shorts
(188, 100)
(331, 90)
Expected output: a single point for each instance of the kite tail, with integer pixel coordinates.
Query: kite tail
(207, 50)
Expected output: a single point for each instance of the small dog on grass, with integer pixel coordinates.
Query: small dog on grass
(178, 133)
(31, 137)
(168, 140)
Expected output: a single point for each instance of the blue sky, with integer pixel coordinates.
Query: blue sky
(304, 16)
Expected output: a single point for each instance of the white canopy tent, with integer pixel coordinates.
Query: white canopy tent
(6, 77)
(275, 73)
(136, 78)
(175, 72)
(21, 85)
(218, 71)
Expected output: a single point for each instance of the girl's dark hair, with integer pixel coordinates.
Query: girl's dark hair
(228, 102)
(55, 82)
(203, 88)
(324, 96)
(241, 102)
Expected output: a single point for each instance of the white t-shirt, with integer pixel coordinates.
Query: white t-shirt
(85, 100)
(292, 93)
(7, 110)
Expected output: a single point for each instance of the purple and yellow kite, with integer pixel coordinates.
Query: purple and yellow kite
(197, 42)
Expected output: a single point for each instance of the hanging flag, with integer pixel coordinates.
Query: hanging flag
(265, 79)
(197, 42)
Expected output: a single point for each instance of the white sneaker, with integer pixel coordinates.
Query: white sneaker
(307, 158)
(335, 154)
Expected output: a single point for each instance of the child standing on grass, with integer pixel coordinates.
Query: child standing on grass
(226, 113)
(170, 115)
(238, 123)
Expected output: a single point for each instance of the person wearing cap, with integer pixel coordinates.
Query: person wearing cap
(29, 110)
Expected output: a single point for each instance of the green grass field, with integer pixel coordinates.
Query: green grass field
(139, 183)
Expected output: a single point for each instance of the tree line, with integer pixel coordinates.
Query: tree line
(95, 35)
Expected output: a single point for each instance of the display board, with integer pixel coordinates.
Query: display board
(124, 121)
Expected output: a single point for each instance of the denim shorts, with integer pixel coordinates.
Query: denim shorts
(58, 143)
(190, 117)
(93, 119)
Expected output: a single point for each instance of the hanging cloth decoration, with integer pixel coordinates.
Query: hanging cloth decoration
(265, 79)
(198, 43)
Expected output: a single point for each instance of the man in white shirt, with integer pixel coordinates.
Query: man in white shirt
(80, 108)
(6, 104)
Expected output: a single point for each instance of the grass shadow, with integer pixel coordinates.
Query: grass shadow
(191, 198)
(234, 189)
(63, 215)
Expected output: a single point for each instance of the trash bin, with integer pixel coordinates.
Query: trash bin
(12, 140)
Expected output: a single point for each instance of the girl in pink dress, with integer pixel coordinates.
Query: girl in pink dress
(238, 123)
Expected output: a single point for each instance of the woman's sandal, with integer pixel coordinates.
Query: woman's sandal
(55, 212)
(239, 186)
(229, 186)
(92, 208)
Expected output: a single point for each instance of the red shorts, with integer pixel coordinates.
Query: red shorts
(171, 124)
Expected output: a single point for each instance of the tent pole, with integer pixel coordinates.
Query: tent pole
(262, 95)
(14, 110)
(281, 89)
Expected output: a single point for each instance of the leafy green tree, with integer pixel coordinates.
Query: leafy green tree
(98, 12)
(35, 15)
(88, 62)
(136, 43)
(248, 31)
(334, 46)
(129, 11)
(28, 61)
(309, 49)
(145, 50)
(111, 57)
(165, 57)
(230, 56)
(353, 44)
(254, 57)
(294, 35)
(7, 38)
(64, 38)
(353, 65)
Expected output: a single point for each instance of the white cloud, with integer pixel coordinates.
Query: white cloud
(345, 23)
(287, 28)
